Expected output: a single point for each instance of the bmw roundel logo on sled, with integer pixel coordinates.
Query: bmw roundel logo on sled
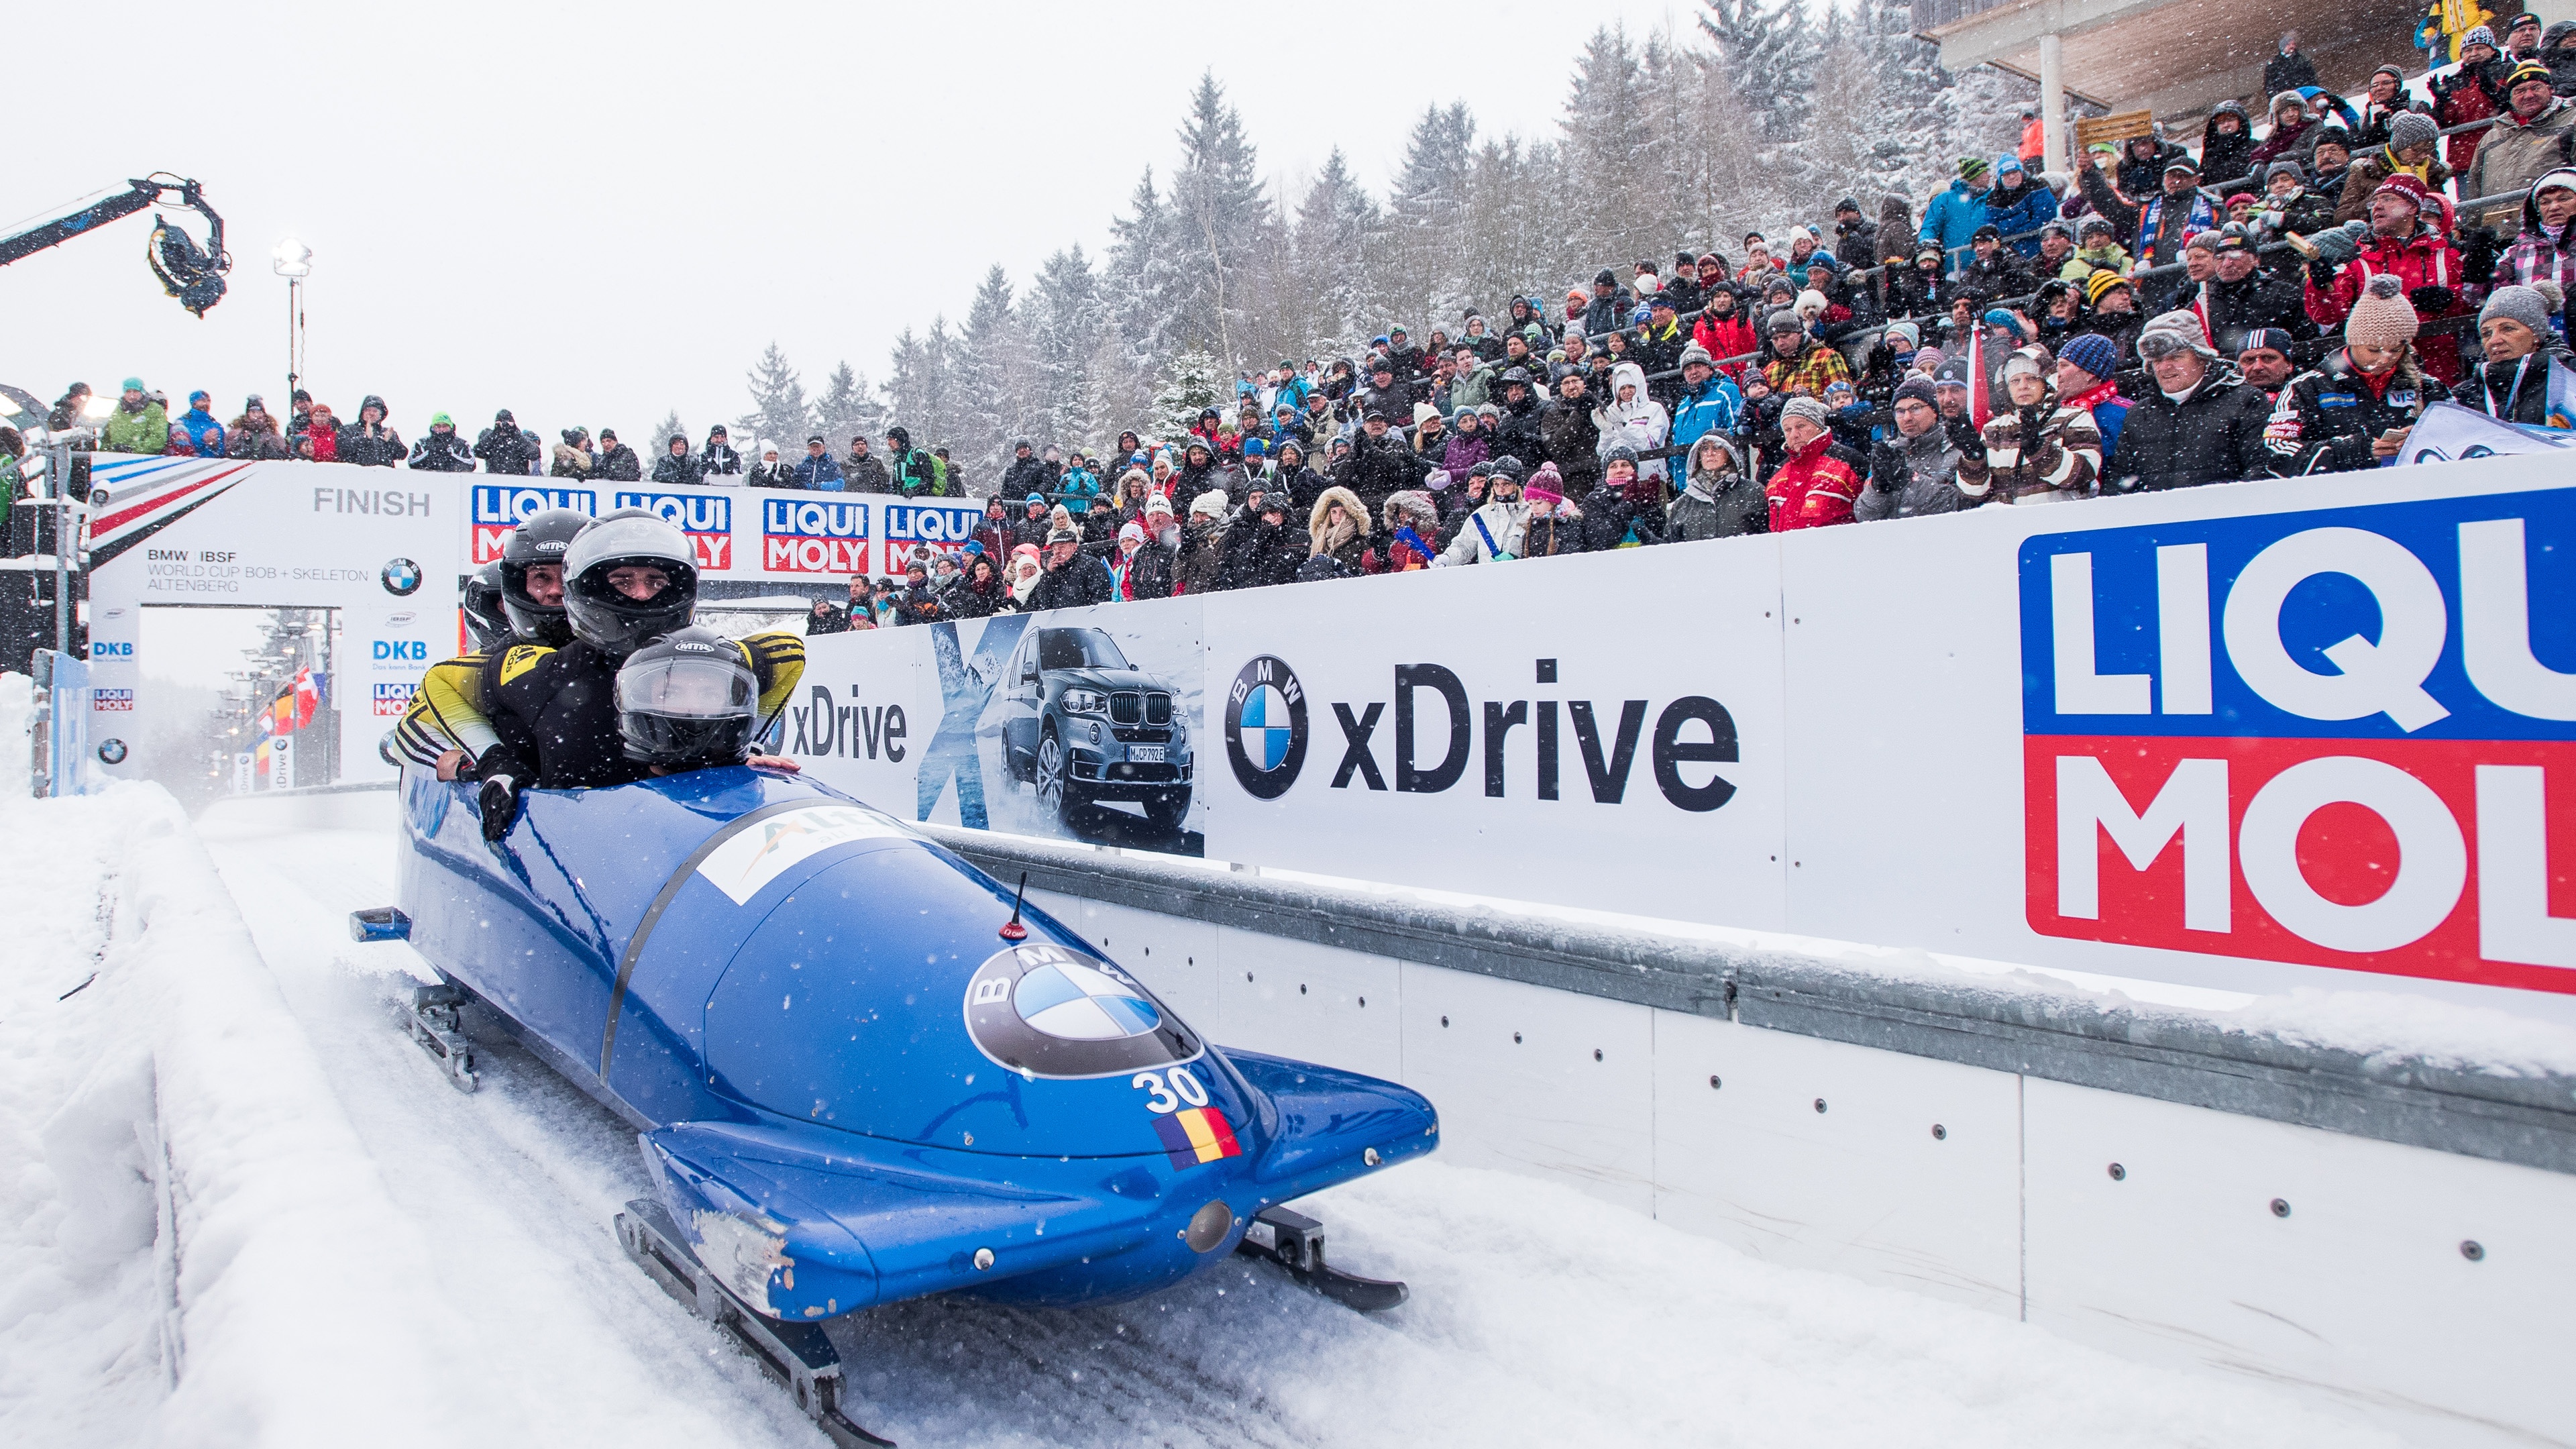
(1265, 727)
(1048, 1012)
(402, 577)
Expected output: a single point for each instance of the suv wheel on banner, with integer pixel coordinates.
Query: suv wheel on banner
(1056, 790)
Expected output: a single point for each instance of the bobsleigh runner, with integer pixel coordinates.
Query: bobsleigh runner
(858, 1070)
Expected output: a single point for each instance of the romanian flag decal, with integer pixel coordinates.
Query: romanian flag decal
(1194, 1135)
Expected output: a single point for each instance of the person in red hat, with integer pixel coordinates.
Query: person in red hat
(2405, 242)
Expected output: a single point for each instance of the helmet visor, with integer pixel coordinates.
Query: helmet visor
(682, 687)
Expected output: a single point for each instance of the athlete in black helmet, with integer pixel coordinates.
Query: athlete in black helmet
(532, 574)
(446, 728)
(688, 701)
(629, 579)
(483, 615)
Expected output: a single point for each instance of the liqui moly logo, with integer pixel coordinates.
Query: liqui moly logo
(943, 527)
(708, 521)
(2344, 738)
(392, 698)
(799, 537)
(500, 507)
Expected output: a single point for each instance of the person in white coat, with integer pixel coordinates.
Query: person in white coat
(1632, 418)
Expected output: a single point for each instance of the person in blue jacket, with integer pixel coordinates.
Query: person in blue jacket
(1954, 215)
(819, 471)
(2019, 204)
(1708, 403)
(199, 421)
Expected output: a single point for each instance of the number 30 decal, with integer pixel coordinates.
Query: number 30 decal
(1183, 1088)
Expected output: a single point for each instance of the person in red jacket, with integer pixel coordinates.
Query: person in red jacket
(2401, 244)
(1814, 486)
(1724, 332)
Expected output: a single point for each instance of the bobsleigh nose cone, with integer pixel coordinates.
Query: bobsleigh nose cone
(1208, 1227)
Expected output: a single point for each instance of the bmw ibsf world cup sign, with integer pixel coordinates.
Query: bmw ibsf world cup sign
(2341, 738)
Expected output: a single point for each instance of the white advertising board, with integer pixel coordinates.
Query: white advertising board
(2295, 733)
(1604, 731)
(381, 545)
(2257, 736)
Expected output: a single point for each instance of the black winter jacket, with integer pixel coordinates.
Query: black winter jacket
(2326, 418)
(679, 468)
(505, 449)
(619, 464)
(1083, 581)
(2516, 391)
(867, 475)
(437, 452)
(1572, 437)
(2214, 435)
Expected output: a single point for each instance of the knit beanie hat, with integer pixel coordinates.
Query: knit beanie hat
(1808, 408)
(2092, 352)
(1971, 167)
(1912, 334)
(2522, 304)
(2383, 317)
(1928, 360)
(1210, 504)
(2480, 35)
(2099, 285)
(2185, 328)
(1546, 483)
(1919, 388)
(1698, 354)
(2411, 128)
(2279, 169)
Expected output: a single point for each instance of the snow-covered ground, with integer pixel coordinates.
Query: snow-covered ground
(237, 1207)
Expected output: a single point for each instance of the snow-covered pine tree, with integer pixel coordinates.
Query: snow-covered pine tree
(1333, 245)
(1066, 323)
(1607, 147)
(1770, 56)
(1221, 219)
(846, 409)
(1421, 271)
(779, 412)
(1191, 381)
(913, 386)
(1918, 104)
(991, 378)
(1138, 288)
(1512, 238)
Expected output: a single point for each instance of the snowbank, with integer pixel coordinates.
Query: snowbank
(199, 1250)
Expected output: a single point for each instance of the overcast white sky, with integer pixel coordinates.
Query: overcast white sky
(593, 212)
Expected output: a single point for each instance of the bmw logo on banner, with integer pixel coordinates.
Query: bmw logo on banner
(1049, 1012)
(401, 577)
(1265, 727)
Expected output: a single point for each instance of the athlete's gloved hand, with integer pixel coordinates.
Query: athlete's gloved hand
(500, 805)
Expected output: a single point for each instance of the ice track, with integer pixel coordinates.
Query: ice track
(1538, 1316)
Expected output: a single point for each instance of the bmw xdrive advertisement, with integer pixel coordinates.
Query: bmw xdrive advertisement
(1083, 724)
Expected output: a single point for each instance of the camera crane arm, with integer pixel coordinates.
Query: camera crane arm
(192, 274)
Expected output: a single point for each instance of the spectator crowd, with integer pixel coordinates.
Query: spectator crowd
(2283, 299)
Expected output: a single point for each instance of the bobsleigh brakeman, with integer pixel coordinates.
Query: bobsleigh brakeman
(860, 1073)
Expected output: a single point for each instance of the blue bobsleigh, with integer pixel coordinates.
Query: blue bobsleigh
(858, 1071)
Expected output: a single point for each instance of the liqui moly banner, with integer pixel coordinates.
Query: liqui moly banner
(2332, 737)
(811, 540)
